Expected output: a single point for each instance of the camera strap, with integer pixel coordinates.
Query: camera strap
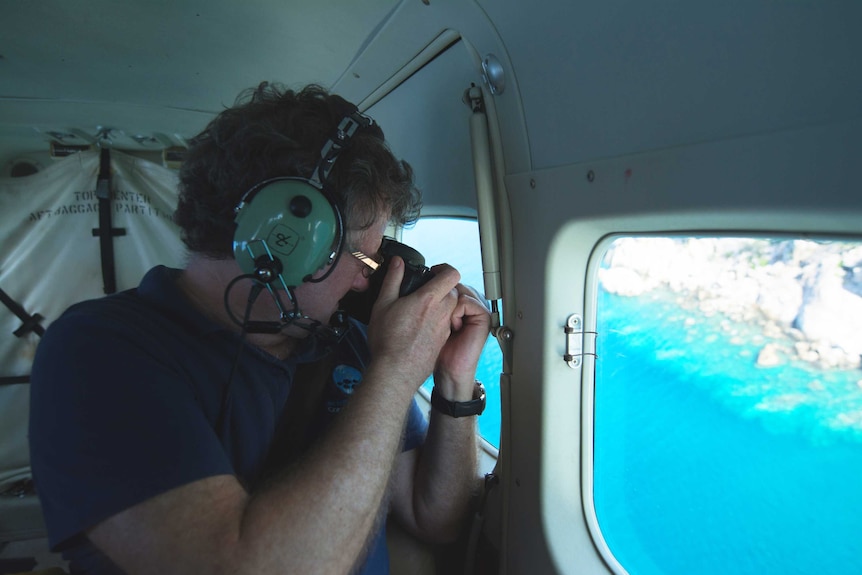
(304, 403)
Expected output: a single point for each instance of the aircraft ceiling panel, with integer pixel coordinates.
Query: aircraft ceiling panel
(605, 79)
(190, 54)
(162, 66)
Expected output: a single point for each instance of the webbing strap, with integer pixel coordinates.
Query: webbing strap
(105, 232)
(28, 322)
(304, 403)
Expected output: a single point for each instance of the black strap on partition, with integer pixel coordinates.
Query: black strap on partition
(28, 322)
(105, 232)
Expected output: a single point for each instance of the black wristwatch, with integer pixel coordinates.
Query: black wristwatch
(460, 408)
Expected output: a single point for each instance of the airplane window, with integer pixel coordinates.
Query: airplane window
(456, 241)
(728, 405)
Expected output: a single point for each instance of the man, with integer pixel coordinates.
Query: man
(165, 432)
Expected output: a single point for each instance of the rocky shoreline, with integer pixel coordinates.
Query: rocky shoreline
(805, 296)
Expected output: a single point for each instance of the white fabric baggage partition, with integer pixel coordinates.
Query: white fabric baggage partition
(50, 259)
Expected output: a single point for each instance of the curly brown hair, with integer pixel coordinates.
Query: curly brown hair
(273, 132)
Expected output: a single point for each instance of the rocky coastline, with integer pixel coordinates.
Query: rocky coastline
(805, 295)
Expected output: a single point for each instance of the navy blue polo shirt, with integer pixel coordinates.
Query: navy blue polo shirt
(126, 393)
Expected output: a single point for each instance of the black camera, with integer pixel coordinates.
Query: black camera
(415, 273)
(358, 305)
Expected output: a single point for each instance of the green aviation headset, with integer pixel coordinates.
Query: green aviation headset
(288, 228)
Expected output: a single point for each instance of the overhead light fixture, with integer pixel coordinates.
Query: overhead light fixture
(61, 149)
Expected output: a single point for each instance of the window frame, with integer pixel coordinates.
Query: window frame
(488, 452)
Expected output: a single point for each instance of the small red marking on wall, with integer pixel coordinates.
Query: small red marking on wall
(628, 174)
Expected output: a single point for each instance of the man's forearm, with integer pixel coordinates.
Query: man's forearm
(313, 518)
(336, 491)
(445, 477)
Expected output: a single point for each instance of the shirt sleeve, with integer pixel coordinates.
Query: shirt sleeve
(112, 423)
(416, 428)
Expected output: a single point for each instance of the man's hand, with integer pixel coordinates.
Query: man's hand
(407, 334)
(455, 370)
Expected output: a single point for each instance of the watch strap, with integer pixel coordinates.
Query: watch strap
(460, 408)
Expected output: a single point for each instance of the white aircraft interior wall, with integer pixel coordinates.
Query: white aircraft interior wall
(426, 122)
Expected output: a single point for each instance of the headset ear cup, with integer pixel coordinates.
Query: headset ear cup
(290, 221)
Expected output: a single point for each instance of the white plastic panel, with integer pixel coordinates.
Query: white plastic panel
(426, 122)
(605, 79)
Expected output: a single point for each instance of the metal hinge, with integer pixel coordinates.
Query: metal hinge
(574, 330)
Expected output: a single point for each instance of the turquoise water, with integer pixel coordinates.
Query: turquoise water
(708, 464)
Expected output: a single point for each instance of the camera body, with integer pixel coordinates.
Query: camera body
(416, 274)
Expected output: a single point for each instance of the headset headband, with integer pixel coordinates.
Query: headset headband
(335, 144)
